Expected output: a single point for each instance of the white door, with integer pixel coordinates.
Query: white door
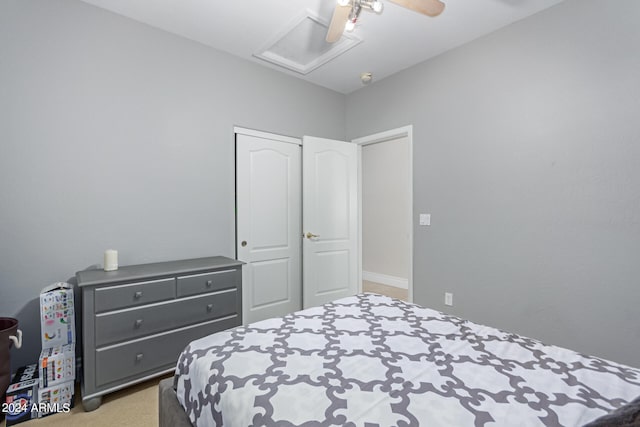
(330, 220)
(268, 240)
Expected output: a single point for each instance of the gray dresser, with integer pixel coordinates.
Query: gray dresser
(136, 320)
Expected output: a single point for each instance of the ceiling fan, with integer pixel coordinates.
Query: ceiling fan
(347, 12)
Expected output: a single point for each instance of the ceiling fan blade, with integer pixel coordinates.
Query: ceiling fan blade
(338, 21)
(427, 7)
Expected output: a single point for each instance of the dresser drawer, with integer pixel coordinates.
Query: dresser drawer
(129, 295)
(161, 351)
(208, 282)
(135, 322)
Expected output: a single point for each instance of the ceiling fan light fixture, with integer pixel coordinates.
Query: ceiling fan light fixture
(346, 13)
(350, 26)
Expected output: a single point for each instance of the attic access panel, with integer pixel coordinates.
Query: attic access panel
(301, 46)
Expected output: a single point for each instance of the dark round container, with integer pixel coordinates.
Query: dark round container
(8, 327)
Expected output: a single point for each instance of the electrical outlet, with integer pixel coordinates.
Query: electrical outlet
(448, 299)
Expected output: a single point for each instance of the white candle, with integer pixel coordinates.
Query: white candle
(110, 260)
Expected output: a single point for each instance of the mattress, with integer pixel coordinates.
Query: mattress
(369, 360)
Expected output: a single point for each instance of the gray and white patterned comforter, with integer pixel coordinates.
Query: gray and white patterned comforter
(370, 360)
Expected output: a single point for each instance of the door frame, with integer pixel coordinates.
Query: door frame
(388, 135)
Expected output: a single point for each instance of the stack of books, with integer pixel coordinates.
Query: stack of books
(57, 363)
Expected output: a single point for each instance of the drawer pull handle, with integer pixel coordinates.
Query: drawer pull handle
(138, 323)
(139, 357)
(138, 295)
(209, 283)
(209, 308)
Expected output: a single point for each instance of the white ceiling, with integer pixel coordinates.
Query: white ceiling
(392, 41)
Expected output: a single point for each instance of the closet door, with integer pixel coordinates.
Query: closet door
(269, 216)
(330, 220)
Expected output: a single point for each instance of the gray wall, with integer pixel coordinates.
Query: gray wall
(527, 155)
(117, 135)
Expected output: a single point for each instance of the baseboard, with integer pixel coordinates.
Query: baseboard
(396, 282)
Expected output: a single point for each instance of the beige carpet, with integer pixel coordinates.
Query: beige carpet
(389, 291)
(134, 406)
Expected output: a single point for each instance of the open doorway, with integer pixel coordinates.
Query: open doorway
(386, 206)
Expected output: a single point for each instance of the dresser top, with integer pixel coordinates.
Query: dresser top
(157, 269)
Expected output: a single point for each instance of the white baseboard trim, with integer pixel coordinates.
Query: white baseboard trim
(396, 282)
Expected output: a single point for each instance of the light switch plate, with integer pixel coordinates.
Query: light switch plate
(448, 299)
(425, 219)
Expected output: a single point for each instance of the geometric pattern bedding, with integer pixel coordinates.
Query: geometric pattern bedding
(370, 360)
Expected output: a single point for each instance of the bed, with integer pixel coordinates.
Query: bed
(370, 360)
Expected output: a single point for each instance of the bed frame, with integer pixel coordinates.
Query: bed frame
(170, 411)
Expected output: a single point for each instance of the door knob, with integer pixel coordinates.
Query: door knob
(244, 243)
(310, 235)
